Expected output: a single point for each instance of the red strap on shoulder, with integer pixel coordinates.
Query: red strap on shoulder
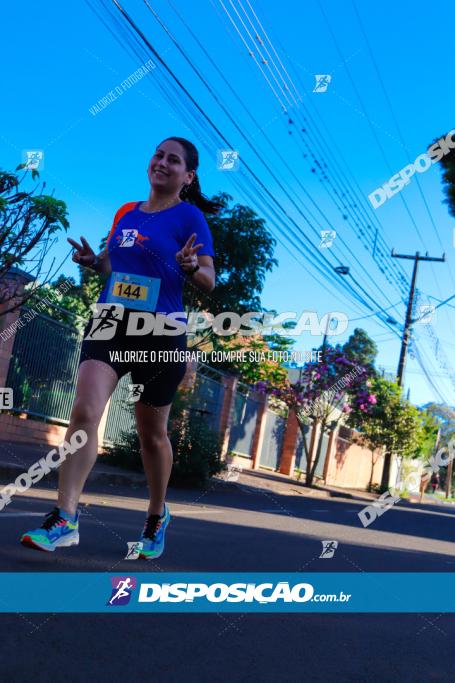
(129, 206)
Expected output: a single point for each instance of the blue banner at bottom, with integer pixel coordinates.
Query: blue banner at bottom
(227, 592)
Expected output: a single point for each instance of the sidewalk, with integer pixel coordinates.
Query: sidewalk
(288, 486)
(428, 499)
(16, 458)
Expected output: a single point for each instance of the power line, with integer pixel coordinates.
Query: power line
(322, 261)
(385, 267)
(269, 141)
(409, 321)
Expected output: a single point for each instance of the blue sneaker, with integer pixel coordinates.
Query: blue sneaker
(57, 530)
(153, 535)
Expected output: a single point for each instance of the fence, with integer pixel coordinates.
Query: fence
(40, 361)
(207, 395)
(120, 416)
(43, 368)
(275, 426)
(245, 412)
(43, 371)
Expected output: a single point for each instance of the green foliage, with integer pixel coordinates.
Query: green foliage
(392, 422)
(243, 255)
(325, 393)
(361, 349)
(447, 165)
(445, 417)
(197, 451)
(51, 210)
(26, 223)
(429, 436)
(196, 448)
(255, 368)
(77, 299)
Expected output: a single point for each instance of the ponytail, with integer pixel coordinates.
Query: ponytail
(192, 193)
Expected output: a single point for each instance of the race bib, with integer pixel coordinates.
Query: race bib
(133, 291)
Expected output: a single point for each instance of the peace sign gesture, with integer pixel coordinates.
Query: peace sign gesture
(187, 256)
(84, 254)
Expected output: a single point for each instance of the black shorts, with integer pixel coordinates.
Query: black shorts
(155, 361)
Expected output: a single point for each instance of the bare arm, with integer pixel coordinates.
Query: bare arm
(188, 259)
(204, 278)
(85, 256)
(102, 263)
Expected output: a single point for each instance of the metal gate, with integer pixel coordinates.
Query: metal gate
(208, 395)
(120, 416)
(243, 424)
(43, 367)
(275, 426)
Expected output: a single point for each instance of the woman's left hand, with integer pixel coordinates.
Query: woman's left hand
(187, 256)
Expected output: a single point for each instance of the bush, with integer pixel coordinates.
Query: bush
(197, 451)
(196, 448)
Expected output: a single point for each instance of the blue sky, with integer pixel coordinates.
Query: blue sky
(63, 59)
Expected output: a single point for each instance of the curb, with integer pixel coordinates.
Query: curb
(291, 488)
(9, 472)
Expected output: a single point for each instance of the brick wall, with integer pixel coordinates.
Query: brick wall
(15, 428)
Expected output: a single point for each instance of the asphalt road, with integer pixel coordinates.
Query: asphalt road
(231, 528)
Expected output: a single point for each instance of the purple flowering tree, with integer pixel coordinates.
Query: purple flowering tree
(325, 392)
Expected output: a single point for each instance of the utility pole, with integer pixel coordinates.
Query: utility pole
(409, 321)
(405, 341)
(326, 333)
(449, 479)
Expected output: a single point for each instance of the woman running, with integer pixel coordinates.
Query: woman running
(151, 251)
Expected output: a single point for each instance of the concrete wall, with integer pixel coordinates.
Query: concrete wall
(350, 466)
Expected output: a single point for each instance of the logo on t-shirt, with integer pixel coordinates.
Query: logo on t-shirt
(130, 237)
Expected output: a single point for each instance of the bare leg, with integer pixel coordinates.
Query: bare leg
(95, 384)
(156, 452)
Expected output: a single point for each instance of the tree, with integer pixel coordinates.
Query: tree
(28, 220)
(362, 349)
(258, 365)
(445, 417)
(430, 428)
(447, 164)
(262, 354)
(243, 256)
(392, 423)
(75, 303)
(324, 394)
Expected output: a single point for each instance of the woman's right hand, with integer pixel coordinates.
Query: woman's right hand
(84, 254)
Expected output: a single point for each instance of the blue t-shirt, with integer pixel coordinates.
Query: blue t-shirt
(142, 243)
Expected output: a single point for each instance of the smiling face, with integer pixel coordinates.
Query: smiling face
(167, 168)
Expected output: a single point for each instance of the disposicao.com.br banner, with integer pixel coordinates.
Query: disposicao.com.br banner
(227, 592)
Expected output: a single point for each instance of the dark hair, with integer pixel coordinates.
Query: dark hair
(192, 193)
